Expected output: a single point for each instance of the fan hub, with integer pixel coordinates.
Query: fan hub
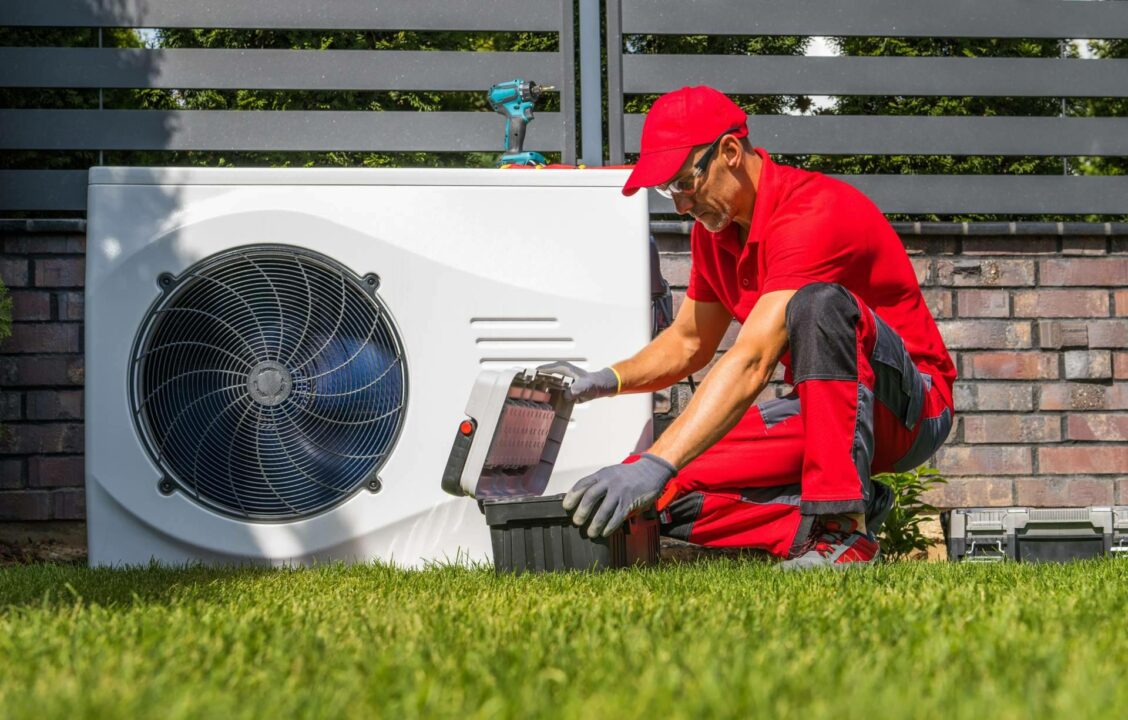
(269, 383)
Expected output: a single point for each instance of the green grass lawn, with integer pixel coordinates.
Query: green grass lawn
(718, 638)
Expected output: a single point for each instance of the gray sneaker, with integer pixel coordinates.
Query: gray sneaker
(835, 542)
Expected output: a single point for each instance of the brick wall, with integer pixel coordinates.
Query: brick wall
(42, 372)
(1038, 326)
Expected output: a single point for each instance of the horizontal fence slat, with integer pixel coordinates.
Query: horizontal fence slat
(912, 135)
(964, 194)
(901, 18)
(948, 194)
(272, 69)
(787, 75)
(43, 190)
(505, 15)
(890, 18)
(268, 130)
(1028, 195)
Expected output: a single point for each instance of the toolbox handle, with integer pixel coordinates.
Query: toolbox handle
(972, 557)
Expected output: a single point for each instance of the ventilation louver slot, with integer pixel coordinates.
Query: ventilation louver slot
(269, 383)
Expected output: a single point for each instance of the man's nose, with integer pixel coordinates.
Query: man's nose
(682, 204)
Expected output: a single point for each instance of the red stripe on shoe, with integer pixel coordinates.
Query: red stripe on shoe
(862, 550)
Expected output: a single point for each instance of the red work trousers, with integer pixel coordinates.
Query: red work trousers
(859, 406)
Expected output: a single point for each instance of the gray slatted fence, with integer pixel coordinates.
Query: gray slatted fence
(630, 74)
(347, 70)
(104, 68)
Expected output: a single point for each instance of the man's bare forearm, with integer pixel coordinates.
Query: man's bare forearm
(721, 400)
(732, 385)
(666, 360)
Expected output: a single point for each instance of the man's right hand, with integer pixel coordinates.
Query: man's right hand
(585, 385)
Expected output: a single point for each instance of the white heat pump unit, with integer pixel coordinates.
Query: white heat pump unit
(278, 360)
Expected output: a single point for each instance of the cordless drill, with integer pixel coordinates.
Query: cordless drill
(515, 99)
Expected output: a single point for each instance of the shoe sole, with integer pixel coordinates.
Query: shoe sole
(791, 566)
(837, 567)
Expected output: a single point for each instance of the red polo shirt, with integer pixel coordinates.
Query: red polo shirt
(807, 227)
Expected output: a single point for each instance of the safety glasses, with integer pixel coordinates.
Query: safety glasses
(686, 185)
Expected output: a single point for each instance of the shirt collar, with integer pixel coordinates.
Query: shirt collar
(767, 199)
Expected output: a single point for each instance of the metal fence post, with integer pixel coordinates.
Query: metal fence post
(591, 82)
(615, 81)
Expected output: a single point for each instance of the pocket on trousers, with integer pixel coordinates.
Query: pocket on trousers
(897, 383)
(933, 432)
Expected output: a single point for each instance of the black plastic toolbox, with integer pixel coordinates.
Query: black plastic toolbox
(1035, 534)
(536, 534)
(504, 454)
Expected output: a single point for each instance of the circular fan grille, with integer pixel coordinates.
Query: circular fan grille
(269, 383)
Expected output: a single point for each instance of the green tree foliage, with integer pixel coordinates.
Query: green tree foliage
(720, 45)
(64, 98)
(61, 98)
(1106, 107)
(352, 40)
(957, 106)
(255, 100)
(943, 106)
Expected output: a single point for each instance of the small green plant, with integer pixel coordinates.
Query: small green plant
(901, 535)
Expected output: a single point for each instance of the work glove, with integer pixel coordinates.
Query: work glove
(610, 495)
(585, 385)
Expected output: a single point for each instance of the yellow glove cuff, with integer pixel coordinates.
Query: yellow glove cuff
(618, 380)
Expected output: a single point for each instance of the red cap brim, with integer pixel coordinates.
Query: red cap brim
(655, 168)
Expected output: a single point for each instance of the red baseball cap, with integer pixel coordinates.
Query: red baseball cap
(678, 122)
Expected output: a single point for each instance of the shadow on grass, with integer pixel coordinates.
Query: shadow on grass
(41, 575)
(66, 585)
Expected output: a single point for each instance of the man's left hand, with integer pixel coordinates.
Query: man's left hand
(610, 495)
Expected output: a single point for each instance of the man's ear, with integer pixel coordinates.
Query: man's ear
(732, 150)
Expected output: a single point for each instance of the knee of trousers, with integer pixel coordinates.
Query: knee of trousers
(822, 321)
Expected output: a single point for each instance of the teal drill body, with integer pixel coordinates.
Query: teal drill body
(515, 99)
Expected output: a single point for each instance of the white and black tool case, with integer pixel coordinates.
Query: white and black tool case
(1036, 534)
(503, 455)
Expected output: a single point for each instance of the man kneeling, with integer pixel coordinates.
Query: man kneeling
(819, 281)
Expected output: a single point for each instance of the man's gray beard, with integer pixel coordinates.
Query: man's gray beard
(723, 220)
